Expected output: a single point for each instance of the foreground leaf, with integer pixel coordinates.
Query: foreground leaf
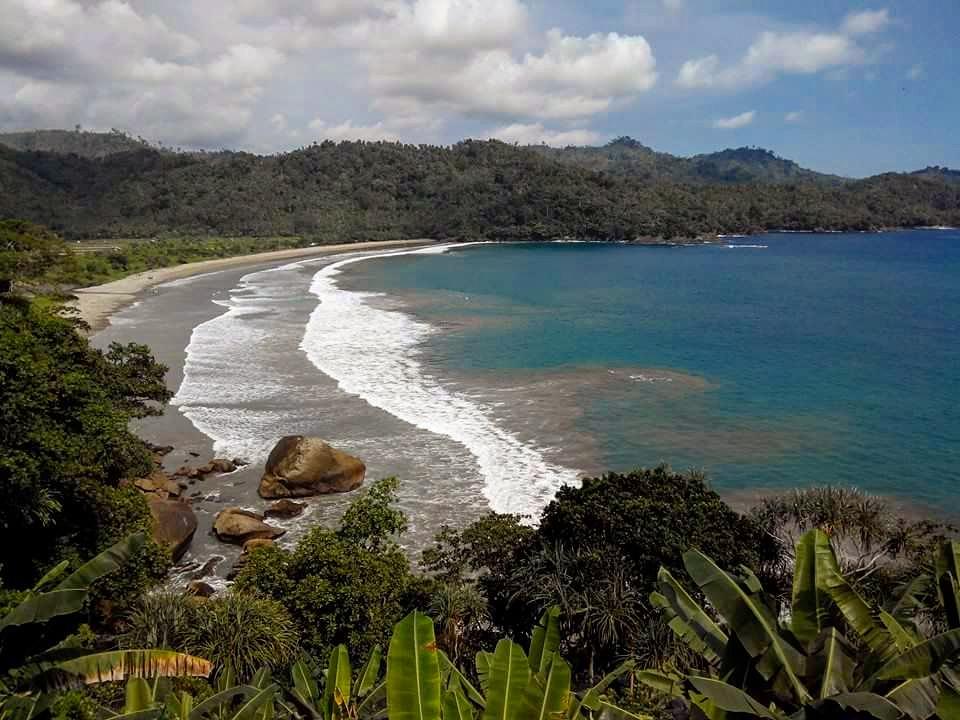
(413, 670)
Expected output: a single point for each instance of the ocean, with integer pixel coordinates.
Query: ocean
(486, 376)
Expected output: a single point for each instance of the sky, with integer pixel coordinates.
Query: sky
(844, 87)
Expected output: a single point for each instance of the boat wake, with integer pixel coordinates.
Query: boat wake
(375, 354)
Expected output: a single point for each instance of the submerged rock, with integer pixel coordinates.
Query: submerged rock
(285, 509)
(301, 466)
(174, 523)
(235, 525)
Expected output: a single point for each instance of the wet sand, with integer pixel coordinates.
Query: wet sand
(96, 304)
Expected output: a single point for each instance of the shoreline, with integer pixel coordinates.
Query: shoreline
(97, 304)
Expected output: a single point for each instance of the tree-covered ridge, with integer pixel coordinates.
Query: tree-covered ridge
(626, 157)
(76, 142)
(385, 191)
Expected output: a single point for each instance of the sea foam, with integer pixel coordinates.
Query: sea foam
(376, 354)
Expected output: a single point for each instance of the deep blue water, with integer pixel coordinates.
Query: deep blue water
(816, 359)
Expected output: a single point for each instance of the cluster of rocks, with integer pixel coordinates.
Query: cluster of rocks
(297, 467)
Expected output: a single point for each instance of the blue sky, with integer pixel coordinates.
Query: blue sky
(850, 88)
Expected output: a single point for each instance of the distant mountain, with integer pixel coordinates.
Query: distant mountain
(628, 157)
(470, 190)
(937, 172)
(73, 142)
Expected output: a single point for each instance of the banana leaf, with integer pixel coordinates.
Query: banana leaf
(68, 597)
(304, 684)
(874, 705)
(456, 706)
(902, 639)
(106, 562)
(917, 698)
(923, 660)
(809, 608)
(372, 700)
(687, 619)
(484, 662)
(138, 695)
(592, 698)
(51, 575)
(370, 673)
(547, 695)
(907, 597)
(614, 712)
(336, 691)
(222, 699)
(949, 705)
(256, 702)
(839, 663)
(460, 680)
(509, 675)
(854, 608)
(413, 670)
(545, 639)
(661, 682)
(123, 664)
(751, 620)
(729, 698)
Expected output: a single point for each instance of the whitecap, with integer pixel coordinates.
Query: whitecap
(376, 354)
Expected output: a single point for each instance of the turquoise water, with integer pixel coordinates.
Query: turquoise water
(813, 359)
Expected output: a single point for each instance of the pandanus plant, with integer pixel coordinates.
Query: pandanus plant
(803, 666)
(29, 680)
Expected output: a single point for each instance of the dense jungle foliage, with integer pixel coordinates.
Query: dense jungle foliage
(474, 189)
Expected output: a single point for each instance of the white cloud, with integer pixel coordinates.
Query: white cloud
(793, 117)
(574, 77)
(349, 131)
(773, 53)
(866, 22)
(737, 121)
(180, 71)
(915, 72)
(537, 134)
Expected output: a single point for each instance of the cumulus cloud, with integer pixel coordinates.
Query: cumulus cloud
(735, 122)
(574, 77)
(793, 117)
(349, 131)
(203, 73)
(792, 52)
(537, 134)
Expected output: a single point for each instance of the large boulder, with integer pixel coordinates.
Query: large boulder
(174, 523)
(234, 525)
(302, 466)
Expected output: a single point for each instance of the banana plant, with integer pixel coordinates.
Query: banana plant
(802, 666)
(342, 698)
(29, 681)
(423, 684)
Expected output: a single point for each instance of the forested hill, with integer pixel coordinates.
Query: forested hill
(628, 157)
(360, 191)
(76, 142)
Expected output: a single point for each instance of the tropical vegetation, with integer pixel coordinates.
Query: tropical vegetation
(472, 190)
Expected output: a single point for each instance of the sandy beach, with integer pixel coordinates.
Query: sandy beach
(96, 304)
